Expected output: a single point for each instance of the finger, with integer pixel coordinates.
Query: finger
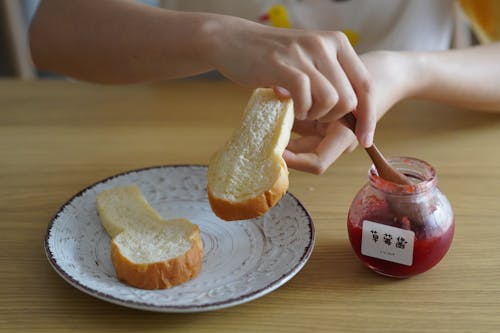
(361, 82)
(303, 162)
(325, 96)
(304, 127)
(309, 127)
(336, 142)
(298, 85)
(281, 93)
(304, 144)
(313, 94)
(329, 149)
(347, 100)
(353, 146)
(366, 121)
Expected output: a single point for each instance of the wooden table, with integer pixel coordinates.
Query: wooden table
(59, 137)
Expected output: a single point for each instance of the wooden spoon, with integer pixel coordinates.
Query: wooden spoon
(384, 169)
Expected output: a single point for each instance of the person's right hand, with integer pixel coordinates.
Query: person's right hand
(318, 145)
(319, 70)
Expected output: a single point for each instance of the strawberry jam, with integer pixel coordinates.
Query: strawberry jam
(401, 230)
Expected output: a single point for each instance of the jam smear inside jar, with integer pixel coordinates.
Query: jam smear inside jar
(401, 230)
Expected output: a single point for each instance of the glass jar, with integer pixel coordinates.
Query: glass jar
(401, 230)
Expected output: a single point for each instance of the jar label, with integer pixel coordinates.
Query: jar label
(388, 243)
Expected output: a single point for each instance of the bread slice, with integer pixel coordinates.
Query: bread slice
(248, 175)
(147, 251)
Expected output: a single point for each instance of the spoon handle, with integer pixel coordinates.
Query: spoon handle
(384, 169)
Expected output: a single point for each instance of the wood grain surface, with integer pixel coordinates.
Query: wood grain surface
(57, 137)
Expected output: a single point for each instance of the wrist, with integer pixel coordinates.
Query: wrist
(215, 35)
(224, 40)
(419, 75)
(207, 35)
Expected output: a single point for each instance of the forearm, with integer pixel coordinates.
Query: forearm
(121, 42)
(118, 41)
(466, 77)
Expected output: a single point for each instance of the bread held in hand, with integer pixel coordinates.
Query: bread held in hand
(248, 176)
(147, 251)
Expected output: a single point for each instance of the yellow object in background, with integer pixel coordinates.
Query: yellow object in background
(484, 17)
(277, 16)
(352, 35)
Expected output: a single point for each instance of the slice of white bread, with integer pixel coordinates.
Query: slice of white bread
(248, 175)
(147, 251)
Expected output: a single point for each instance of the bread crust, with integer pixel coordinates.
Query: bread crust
(163, 274)
(253, 207)
(239, 205)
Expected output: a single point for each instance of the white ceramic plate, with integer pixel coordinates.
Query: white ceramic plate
(242, 260)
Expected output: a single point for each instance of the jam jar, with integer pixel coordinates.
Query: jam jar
(401, 230)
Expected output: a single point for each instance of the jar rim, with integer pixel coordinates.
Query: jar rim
(422, 174)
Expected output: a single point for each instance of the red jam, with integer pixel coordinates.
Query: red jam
(419, 210)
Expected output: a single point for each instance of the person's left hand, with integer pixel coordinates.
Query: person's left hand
(320, 144)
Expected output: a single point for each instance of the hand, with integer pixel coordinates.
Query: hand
(319, 70)
(320, 144)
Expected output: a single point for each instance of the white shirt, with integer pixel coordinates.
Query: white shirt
(375, 24)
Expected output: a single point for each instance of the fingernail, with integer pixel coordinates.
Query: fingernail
(281, 92)
(367, 139)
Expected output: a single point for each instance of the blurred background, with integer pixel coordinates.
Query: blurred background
(15, 59)
(15, 17)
